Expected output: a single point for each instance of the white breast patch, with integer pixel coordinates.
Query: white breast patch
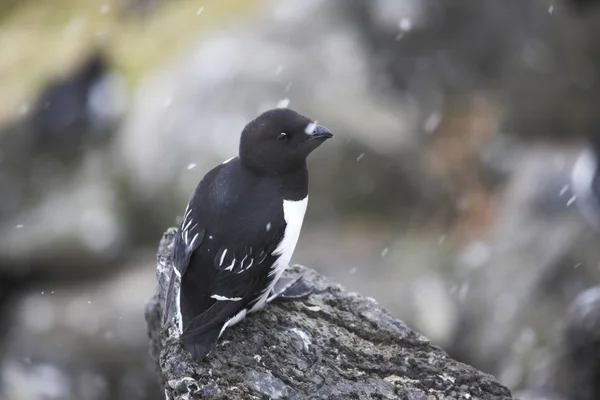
(293, 213)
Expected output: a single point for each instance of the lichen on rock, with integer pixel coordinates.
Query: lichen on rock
(333, 345)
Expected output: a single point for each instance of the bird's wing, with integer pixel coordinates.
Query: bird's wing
(223, 251)
(237, 277)
(188, 239)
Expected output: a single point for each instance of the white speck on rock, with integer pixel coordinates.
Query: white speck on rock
(304, 336)
(563, 190)
(191, 166)
(200, 11)
(257, 358)
(313, 308)
(447, 378)
(20, 226)
(571, 200)
(384, 252)
(360, 157)
(268, 227)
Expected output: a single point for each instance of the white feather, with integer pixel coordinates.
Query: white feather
(234, 320)
(230, 268)
(193, 241)
(293, 213)
(222, 257)
(223, 298)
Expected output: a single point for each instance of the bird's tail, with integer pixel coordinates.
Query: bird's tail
(200, 345)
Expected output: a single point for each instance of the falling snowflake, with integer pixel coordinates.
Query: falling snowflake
(283, 103)
(405, 24)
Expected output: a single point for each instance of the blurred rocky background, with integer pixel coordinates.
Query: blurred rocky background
(448, 194)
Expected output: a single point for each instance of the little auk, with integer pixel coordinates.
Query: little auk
(240, 229)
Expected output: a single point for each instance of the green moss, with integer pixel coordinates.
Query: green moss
(44, 38)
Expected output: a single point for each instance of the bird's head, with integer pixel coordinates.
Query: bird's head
(279, 140)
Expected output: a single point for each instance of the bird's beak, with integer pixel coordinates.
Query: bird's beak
(317, 132)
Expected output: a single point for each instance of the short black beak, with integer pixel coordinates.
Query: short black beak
(318, 132)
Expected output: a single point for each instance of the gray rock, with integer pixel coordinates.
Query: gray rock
(575, 373)
(84, 342)
(529, 57)
(581, 348)
(518, 284)
(335, 344)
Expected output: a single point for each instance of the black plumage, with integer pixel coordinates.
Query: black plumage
(241, 226)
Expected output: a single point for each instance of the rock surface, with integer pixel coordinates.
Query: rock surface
(512, 327)
(80, 342)
(335, 344)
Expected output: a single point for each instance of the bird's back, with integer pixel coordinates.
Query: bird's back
(226, 250)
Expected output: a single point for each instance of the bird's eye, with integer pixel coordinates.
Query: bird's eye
(282, 137)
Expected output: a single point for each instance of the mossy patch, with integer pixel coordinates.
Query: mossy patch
(41, 39)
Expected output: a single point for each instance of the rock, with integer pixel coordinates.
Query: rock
(335, 344)
(574, 375)
(80, 341)
(527, 57)
(581, 347)
(517, 284)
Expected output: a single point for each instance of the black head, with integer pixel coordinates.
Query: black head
(279, 140)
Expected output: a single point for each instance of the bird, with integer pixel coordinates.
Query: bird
(240, 229)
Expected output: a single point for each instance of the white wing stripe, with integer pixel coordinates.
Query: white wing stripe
(224, 298)
(222, 257)
(193, 240)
